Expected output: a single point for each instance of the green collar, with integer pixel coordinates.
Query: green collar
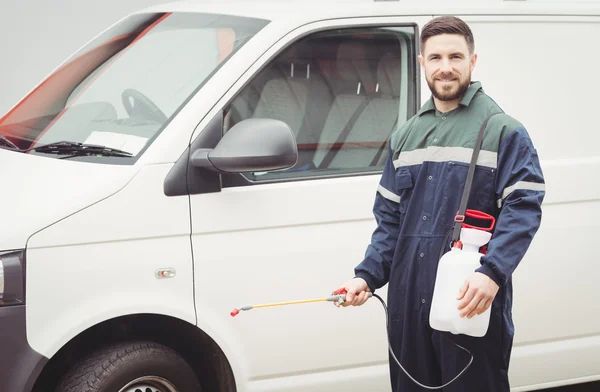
(465, 101)
(470, 93)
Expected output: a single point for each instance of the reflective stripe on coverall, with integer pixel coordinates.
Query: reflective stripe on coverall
(415, 205)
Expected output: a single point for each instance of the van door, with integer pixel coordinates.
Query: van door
(530, 66)
(343, 87)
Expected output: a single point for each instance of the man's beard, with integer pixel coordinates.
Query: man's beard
(443, 95)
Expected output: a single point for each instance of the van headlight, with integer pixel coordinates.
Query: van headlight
(12, 280)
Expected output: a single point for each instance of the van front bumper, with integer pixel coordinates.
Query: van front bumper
(20, 365)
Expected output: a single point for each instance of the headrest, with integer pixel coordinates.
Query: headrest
(388, 75)
(352, 64)
(293, 64)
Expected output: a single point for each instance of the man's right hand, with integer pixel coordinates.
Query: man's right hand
(357, 292)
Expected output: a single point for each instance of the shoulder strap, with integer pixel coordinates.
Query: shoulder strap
(460, 217)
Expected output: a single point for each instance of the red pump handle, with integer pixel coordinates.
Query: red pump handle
(479, 215)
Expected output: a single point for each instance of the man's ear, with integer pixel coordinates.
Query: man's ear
(473, 61)
(420, 60)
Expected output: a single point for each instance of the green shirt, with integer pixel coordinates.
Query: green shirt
(455, 129)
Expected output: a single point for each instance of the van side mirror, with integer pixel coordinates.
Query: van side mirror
(255, 144)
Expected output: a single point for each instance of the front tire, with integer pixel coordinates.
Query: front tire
(131, 367)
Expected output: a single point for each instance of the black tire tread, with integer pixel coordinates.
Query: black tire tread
(94, 369)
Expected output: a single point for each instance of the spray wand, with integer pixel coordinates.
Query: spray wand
(339, 296)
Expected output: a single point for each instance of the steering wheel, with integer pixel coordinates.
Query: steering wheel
(141, 106)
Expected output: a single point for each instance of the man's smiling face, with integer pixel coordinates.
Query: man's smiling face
(447, 64)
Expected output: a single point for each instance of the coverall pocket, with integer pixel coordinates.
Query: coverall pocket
(403, 186)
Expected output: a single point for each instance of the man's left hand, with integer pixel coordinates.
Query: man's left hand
(477, 294)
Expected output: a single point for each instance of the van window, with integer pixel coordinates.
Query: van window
(341, 92)
(122, 88)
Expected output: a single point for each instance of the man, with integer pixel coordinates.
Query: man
(416, 203)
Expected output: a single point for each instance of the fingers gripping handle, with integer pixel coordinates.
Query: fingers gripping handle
(340, 296)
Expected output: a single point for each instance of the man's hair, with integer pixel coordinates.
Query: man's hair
(447, 25)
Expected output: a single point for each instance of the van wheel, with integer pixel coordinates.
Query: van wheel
(131, 367)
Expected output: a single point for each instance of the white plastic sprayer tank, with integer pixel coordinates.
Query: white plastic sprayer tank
(453, 269)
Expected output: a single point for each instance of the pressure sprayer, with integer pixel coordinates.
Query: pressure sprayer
(453, 269)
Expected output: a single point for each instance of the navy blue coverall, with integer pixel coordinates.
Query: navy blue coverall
(417, 200)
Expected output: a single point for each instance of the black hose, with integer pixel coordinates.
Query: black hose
(387, 321)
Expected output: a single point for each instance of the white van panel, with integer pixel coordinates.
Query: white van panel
(547, 81)
(542, 71)
(108, 255)
(284, 242)
(140, 211)
(38, 191)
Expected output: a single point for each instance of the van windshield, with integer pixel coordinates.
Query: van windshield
(121, 89)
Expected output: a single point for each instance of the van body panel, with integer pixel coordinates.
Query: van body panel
(139, 211)
(110, 266)
(535, 85)
(33, 183)
(283, 257)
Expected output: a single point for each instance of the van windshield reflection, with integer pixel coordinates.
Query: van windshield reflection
(121, 90)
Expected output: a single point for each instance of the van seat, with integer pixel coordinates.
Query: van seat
(350, 89)
(361, 146)
(284, 96)
(295, 93)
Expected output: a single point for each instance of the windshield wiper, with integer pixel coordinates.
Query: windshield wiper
(78, 149)
(4, 140)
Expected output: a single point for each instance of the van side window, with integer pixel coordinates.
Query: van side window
(341, 92)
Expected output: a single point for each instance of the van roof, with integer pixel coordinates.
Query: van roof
(307, 11)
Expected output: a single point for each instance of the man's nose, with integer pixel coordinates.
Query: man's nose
(445, 65)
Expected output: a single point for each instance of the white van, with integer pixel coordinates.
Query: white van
(192, 159)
